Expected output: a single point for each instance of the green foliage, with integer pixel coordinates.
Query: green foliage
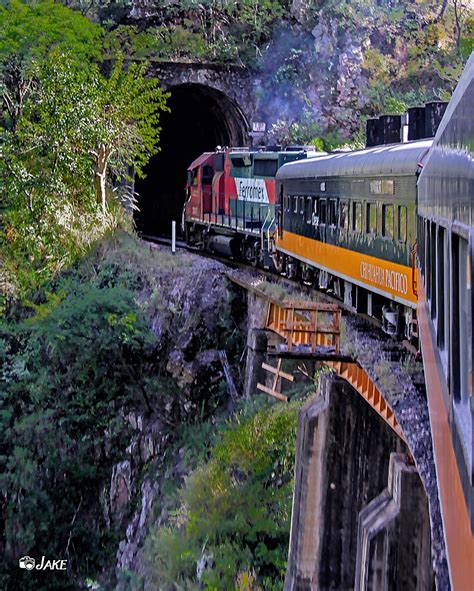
(32, 30)
(68, 376)
(235, 508)
(69, 142)
(210, 30)
(423, 55)
(74, 362)
(307, 131)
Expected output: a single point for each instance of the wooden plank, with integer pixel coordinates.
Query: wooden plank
(318, 355)
(281, 397)
(275, 370)
(289, 333)
(277, 375)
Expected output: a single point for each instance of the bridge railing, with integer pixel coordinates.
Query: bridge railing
(306, 324)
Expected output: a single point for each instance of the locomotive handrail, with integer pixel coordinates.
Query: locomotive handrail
(413, 269)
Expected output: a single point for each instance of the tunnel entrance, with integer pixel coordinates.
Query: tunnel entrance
(200, 118)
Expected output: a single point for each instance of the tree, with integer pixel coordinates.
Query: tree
(125, 127)
(78, 136)
(92, 126)
(28, 32)
(463, 14)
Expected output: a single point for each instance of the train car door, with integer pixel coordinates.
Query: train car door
(207, 172)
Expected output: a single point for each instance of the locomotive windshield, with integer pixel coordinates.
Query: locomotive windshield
(265, 167)
(207, 174)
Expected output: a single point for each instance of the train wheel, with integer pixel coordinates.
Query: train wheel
(203, 240)
(279, 262)
(258, 257)
(307, 274)
(250, 253)
(292, 268)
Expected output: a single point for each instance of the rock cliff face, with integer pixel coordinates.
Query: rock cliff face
(320, 65)
(195, 316)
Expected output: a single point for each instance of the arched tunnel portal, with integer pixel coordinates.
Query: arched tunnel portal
(200, 119)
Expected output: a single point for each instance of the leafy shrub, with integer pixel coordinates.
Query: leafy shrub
(235, 508)
(68, 375)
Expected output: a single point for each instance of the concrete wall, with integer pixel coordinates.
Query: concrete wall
(236, 86)
(393, 545)
(342, 464)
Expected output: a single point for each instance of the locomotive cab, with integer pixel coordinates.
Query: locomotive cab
(230, 201)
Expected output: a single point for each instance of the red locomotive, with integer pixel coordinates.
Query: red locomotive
(230, 206)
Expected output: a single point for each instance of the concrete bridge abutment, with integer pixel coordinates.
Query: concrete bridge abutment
(393, 542)
(360, 514)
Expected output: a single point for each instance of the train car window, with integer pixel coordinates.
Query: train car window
(343, 215)
(241, 161)
(461, 335)
(427, 260)
(433, 266)
(357, 216)
(402, 223)
(382, 187)
(315, 219)
(265, 167)
(219, 161)
(440, 286)
(207, 174)
(371, 221)
(295, 204)
(302, 205)
(322, 211)
(460, 310)
(309, 209)
(421, 244)
(387, 221)
(193, 177)
(332, 212)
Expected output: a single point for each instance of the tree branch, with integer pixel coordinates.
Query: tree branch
(72, 525)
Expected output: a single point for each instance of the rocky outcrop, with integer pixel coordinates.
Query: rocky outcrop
(189, 320)
(137, 527)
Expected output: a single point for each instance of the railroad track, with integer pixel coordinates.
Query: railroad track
(308, 290)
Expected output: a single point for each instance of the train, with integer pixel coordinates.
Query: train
(347, 222)
(230, 206)
(344, 222)
(389, 230)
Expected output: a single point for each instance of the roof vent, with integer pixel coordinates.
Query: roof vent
(433, 114)
(416, 123)
(391, 128)
(373, 135)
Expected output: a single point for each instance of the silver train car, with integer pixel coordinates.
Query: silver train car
(445, 316)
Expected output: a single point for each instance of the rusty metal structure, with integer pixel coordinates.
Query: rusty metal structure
(361, 382)
(310, 325)
(277, 375)
(314, 328)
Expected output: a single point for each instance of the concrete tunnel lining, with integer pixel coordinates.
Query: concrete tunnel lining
(200, 118)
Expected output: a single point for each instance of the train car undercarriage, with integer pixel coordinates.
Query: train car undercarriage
(397, 320)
